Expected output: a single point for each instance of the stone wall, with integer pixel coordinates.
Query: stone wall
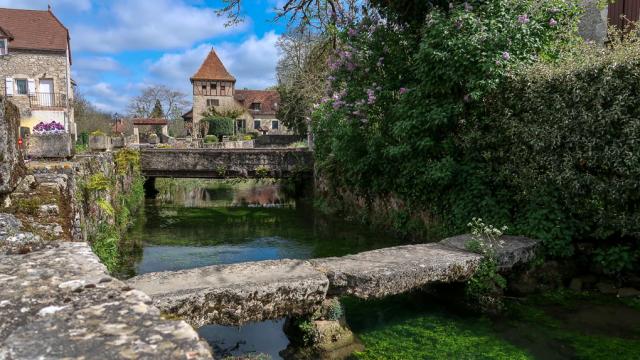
(594, 22)
(50, 146)
(277, 140)
(11, 166)
(226, 163)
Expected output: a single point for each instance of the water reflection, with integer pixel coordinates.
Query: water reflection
(194, 223)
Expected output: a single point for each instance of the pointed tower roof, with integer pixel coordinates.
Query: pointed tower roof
(212, 69)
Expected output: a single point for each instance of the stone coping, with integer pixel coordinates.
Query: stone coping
(60, 302)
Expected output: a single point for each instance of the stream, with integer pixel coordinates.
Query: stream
(193, 223)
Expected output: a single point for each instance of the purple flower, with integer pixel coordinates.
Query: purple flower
(351, 66)
(523, 19)
(553, 22)
(506, 56)
(402, 90)
(371, 96)
(352, 32)
(337, 104)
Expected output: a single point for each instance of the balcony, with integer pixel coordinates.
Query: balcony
(42, 100)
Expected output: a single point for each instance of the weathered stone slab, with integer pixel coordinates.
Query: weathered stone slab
(516, 249)
(60, 303)
(236, 294)
(390, 271)
(50, 146)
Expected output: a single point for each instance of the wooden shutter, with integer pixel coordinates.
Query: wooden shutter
(31, 86)
(9, 86)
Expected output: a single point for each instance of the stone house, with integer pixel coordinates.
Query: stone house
(214, 87)
(35, 67)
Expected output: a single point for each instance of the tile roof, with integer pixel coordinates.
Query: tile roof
(212, 69)
(34, 30)
(142, 121)
(268, 100)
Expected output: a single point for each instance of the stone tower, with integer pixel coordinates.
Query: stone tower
(213, 86)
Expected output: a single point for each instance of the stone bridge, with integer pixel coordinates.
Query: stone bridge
(255, 291)
(226, 163)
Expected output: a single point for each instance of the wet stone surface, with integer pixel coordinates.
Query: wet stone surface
(60, 303)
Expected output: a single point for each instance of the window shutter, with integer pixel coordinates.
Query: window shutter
(32, 86)
(9, 86)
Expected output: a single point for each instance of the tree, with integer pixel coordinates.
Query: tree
(302, 75)
(88, 118)
(172, 103)
(157, 112)
(161, 102)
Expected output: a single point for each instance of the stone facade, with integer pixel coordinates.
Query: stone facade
(10, 157)
(35, 67)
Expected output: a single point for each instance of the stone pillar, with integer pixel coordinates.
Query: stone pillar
(165, 130)
(594, 22)
(136, 134)
(11, 165)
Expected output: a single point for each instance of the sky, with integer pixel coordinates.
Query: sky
(122, 46)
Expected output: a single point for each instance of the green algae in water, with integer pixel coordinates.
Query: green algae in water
(558, 325)
(410, 327)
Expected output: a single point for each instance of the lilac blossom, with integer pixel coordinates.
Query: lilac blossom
(523, 19)
(371, 96)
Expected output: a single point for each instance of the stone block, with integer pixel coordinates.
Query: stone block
(117, 142)
(238, 293)
(99, 142)
(50, 146)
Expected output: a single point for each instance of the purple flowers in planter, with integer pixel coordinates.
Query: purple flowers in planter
(48, 128)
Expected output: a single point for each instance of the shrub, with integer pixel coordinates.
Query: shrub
(98, 182)
(220, 126)
(616, 259)
(247, 138)
(210, 139)
(97, 133)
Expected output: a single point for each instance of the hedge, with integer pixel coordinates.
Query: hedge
(220, 126)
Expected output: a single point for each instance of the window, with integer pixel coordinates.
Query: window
(256, 124)
(274, 124)
(214, 86)
(213, 102)
(255, 106)
(21, 87)
(222, 88)
(3, 47)
(204, 87)
(241, 125)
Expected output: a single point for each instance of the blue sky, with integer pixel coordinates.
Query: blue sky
(121, 46)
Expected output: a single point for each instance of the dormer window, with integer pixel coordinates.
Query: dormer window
(4, 48)
(255, 106)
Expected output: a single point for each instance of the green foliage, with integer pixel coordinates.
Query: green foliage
(28, 206)
(262, 171)
(486, 108)
(335, 311)
(247, 138)
(99, 182)
(485, 286)
(210, 139)
(106, 207)
(98, 133)
(127, 160)
(220, 126)
(616, 260)
(308, 331)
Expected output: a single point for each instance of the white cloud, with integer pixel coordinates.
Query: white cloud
(143, 24)
(252, 62)
(81, 5)
(106, 98)
(97, 63)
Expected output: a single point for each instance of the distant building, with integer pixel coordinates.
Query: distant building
(35, 67)
(214, 87)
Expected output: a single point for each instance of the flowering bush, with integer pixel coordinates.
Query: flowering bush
(48, 128)
(404, 99)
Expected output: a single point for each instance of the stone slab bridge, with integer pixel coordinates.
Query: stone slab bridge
(226, 163)
(255, 291)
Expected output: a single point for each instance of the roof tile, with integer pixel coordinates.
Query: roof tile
(212, 69)
(34, 30)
